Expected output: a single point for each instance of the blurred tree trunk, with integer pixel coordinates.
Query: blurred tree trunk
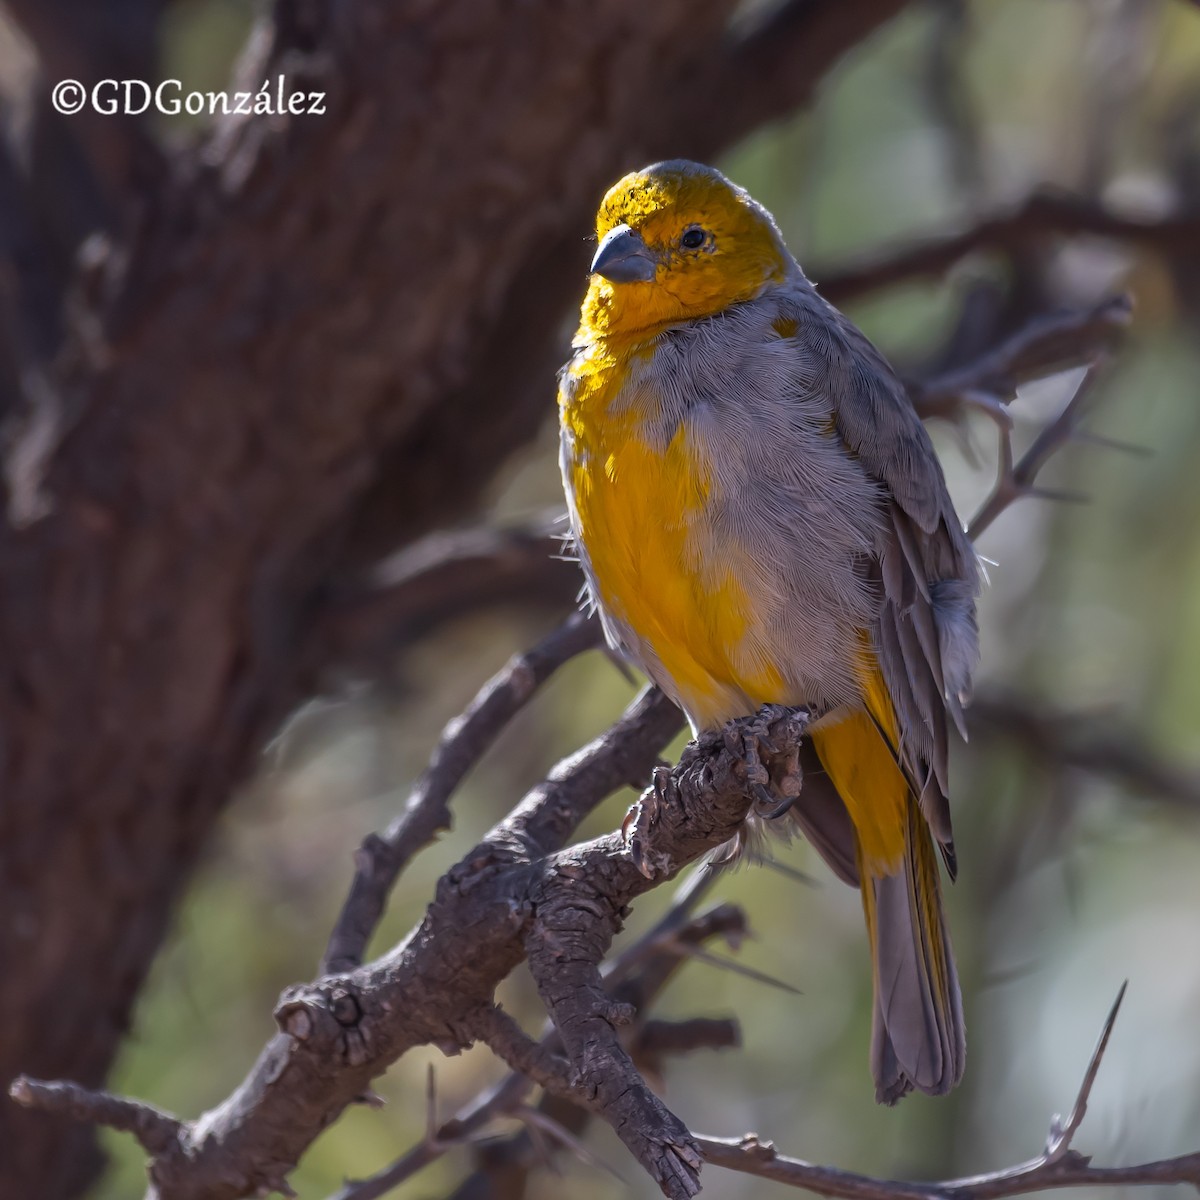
(299, 344)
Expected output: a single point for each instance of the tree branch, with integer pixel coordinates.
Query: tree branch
(1044, 215)
(381, 858)
(1048, 343)
(1058, 1166)
(1081, 741)
(156, 1131)
(1016, 480)
(658, 1040)
(520, 894)
(635, 978)
(338, 1033)
(515, 894)
(753, 1157)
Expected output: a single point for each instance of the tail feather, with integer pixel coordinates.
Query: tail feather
(918, 1036)
(918, 1039)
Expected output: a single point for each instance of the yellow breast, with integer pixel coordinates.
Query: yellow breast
(641, 511)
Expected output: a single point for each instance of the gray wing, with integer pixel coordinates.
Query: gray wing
(927, 571)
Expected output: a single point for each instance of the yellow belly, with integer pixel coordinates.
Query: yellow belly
(642, 514)
(640, 509)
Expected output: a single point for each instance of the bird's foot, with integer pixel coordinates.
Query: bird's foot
(768, 745)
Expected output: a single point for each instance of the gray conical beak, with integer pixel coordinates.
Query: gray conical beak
(622, 257)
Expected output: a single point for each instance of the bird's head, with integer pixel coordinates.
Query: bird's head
(678, 241)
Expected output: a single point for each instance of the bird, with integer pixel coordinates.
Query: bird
(762, 520)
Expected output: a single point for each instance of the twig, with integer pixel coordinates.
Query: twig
(1058, 1166)
(788, 871)
(646, 967)
(1014, 481)
(380, 859)
(413, 1162)
(736, 968)
(1061, 1134)
(1046, 344)
(754, 1157)
(658, 1039)
(1043, 215)
(154, 1129)
(539, 1120)
(431, 1121)
(537, 1061)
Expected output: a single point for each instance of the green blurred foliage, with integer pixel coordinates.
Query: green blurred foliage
(199, 39)
(1068, 884)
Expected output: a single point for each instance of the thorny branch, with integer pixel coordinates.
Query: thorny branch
(561, 907)
(753, 1157)
(520, 894)
(1018, 479)
(1058, 1166)
(341, 1031)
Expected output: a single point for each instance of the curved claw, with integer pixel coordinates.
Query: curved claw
(768, 806)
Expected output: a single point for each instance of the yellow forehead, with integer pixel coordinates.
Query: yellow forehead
(662, 200)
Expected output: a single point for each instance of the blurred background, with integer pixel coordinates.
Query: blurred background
(1077, 802)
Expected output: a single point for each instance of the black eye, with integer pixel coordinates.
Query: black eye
(693, 238)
